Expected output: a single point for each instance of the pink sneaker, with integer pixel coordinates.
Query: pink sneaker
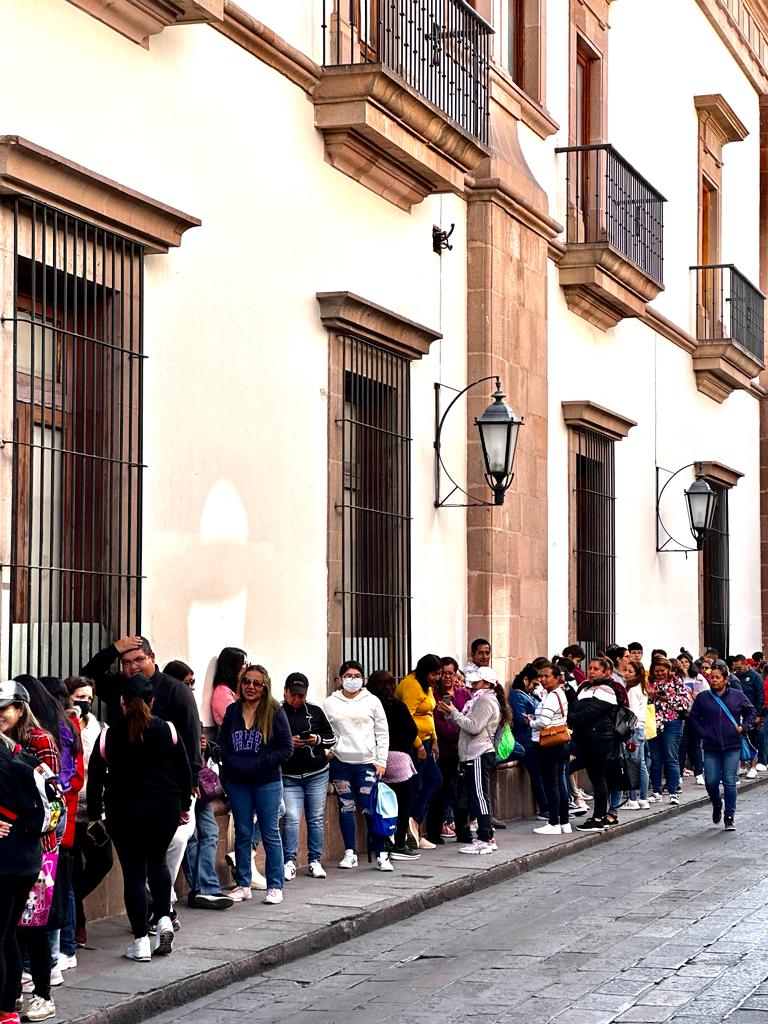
(448, 830)
(241, 893)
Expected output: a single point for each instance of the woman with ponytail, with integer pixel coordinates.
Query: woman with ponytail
(140, 772)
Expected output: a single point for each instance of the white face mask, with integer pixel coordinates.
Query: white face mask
(352, 684)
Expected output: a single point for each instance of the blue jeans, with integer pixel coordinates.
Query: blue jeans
(67, 944)
(430, 782)
(722, 764)
(352, 784)
(307, 795)
(245, 800)
(664, 756)
(200, 858)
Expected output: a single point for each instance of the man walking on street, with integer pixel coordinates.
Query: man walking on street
(173, 702)
(721, 716)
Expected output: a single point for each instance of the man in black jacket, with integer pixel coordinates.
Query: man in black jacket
(305, 775)
(173, 702)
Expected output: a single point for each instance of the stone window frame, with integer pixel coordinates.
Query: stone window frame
(589, 34)
(581, 415)
(718, 125)
(344, 314)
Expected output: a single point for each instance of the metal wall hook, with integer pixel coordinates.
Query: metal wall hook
(440, 238)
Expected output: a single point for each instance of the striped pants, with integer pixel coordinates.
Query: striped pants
(474, 795)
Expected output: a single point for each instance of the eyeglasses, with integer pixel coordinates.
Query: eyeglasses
(126, 663)
(351, 677)
(253, 682)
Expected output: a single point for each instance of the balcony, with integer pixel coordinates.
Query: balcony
(404, 100)
(730, 329)
(614, 260)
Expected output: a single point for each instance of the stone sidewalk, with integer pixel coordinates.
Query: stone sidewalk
(215, 948)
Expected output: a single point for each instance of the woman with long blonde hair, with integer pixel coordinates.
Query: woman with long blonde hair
(255, 740)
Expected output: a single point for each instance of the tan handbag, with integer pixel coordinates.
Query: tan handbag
(555, 735)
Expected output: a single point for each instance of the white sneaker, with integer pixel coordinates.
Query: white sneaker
(240, 893)
(752, 773)
(67, 963)
(584, 796)
(164, 937)
(56, 975)
(477, 846)
(40, 1009)
(655, 798)
(566, 829)
(762, 768)
(27, 985)
(274, 896)
(493, 844)
(644, 805)
(383, 863)
(140, 949)
(547, 830)
(316, 870)
(349, 860)
(699, 780)
(289, 871)
(631, 805)
(674, 798)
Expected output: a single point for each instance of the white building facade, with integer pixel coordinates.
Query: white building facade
(223, 320)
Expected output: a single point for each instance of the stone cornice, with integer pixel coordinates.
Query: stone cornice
(753, 63)
(347, 313)
(669, 330)
(268, 46)
(591, 416)
(483, 190)
(516, 101)
(30, 170)
(718, 473)
(137, 20)
(721, 118)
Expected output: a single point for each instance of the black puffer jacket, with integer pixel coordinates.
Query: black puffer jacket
(20, 806)
(592, 715)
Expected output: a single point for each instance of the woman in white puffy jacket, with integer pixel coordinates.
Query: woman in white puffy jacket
(477, 724)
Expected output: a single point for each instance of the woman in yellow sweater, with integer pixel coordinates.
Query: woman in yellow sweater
(415, 691)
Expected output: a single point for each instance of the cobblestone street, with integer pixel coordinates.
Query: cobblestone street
(663, 924)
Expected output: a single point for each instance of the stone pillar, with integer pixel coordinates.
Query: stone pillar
(508, 237)
(764, 375)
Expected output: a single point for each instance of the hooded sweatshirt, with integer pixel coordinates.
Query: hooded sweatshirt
(477, 725)
(360, 727)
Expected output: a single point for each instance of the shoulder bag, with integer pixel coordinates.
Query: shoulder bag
(748, 752)
(555, 735)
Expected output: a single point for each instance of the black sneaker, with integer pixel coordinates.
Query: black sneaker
(591, 825)
(403, 853)
(212, 901)
(611, 822)
(717, 814)
(410, 842)
(729, 826)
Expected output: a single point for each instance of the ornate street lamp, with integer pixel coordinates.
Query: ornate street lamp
(700, 501)
(498, 428)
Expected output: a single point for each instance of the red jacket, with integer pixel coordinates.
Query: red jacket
(70, 797)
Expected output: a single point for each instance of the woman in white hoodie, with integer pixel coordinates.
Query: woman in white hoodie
(359, 757)
(553, 760)
(477, 724)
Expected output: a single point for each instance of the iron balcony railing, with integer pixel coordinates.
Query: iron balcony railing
(441, 48)
(728, 306)
(608, 201)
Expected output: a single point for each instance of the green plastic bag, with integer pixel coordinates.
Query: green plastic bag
(504, 742)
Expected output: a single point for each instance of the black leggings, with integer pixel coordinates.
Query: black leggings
(405, 793)
(141, 849)
(552, 762)
(35, 944)
(594, 756)
(15, 891)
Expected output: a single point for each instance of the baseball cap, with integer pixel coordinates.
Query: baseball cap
(137, 686)
(486, 675)
(12, 692)
(297, 682)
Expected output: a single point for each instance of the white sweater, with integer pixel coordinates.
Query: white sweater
(360, 727)
(553, 710)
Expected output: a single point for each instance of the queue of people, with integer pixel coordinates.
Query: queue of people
(74, 790)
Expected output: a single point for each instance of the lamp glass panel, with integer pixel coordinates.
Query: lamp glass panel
(495, 444)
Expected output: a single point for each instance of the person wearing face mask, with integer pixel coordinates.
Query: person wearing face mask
(359, 757)
(721, 716)
(92, 853)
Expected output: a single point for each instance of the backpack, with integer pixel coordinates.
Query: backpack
(383, 810)
(625, 724)
(48, 798)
